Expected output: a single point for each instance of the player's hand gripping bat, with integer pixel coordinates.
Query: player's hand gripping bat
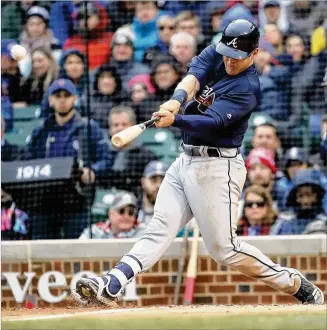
(192, 268)
(127, 135)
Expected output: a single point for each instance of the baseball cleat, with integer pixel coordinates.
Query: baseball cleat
(308, 293)
(95, 291)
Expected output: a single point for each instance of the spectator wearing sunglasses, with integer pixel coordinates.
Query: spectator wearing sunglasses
(166, 26)
(122, 221)
(258, 213)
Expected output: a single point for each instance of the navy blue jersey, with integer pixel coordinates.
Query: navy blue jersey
(225, 103)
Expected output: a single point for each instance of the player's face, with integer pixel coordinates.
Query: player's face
(255, 209)
(123, 219)
(260, 174)
(265, 136)
(234, 67)
(118, 122)
(74, 66)
(62, 101)
(151, 187)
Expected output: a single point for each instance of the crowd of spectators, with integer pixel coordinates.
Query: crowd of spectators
(95, 68)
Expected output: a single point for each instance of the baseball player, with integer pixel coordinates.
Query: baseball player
(206, 181)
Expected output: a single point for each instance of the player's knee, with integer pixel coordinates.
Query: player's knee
(222, 254)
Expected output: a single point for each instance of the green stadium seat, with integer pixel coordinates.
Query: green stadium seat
(21, 131)
(161, 142)
(102, 201)
(26, 113)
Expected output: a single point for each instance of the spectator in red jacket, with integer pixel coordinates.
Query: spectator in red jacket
(99, 39)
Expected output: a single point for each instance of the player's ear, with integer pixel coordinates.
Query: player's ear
(255, 53)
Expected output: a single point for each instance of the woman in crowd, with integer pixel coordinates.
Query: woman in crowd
(258, 213)
(274, 35)
(36, 32)
(107, 92)
(44, 72)
(72, 65)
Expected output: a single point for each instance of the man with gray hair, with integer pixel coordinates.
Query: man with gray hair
(183, 48)
(129, 162)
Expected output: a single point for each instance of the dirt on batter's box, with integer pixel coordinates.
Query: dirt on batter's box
(75, 308)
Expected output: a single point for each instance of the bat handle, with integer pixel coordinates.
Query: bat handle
(150, 122)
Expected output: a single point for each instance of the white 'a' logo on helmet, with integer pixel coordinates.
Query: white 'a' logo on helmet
(233, 43)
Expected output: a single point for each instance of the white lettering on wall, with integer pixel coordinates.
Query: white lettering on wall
(44, 286)
(18, 292)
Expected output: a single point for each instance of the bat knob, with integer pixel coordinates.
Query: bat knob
(117, 141)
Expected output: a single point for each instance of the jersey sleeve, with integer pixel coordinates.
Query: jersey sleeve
(201, 65)
(232, 106)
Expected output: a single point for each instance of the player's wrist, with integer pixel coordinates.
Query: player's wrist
(180, 95)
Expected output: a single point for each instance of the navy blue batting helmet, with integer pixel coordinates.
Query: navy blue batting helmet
(240, 38)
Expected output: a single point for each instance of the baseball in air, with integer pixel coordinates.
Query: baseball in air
(18, 52)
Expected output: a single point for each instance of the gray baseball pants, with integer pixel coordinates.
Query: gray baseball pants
(209, 188)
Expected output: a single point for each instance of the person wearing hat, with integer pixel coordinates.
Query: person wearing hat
(11, 77)
(123, 59)
(36, 31)
(122, 220)
(262, 169)
(72, 66)
(304, 202)
(99, 42)
(62, 134)
(13, 17)
(295, 159)
(273, 12)
(152, 178)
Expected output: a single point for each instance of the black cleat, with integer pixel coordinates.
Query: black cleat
(308, 293)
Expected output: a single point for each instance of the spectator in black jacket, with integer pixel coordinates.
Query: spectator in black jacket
(107, 93)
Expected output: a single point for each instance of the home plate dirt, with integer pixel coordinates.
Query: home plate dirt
(57, 313)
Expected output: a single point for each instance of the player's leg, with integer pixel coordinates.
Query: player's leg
(171, 213)
(213, 192)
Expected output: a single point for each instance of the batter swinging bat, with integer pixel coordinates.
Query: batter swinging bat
(191, 268)
(181, 264)
(129, 134)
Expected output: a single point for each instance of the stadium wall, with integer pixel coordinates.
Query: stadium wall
(216, 284)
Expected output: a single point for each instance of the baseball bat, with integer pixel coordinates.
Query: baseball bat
(129, 134)
(181, 264)
(191, 268)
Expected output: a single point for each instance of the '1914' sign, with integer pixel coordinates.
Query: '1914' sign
(54, 279)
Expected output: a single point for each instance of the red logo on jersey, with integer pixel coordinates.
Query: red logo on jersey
(205, 99)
